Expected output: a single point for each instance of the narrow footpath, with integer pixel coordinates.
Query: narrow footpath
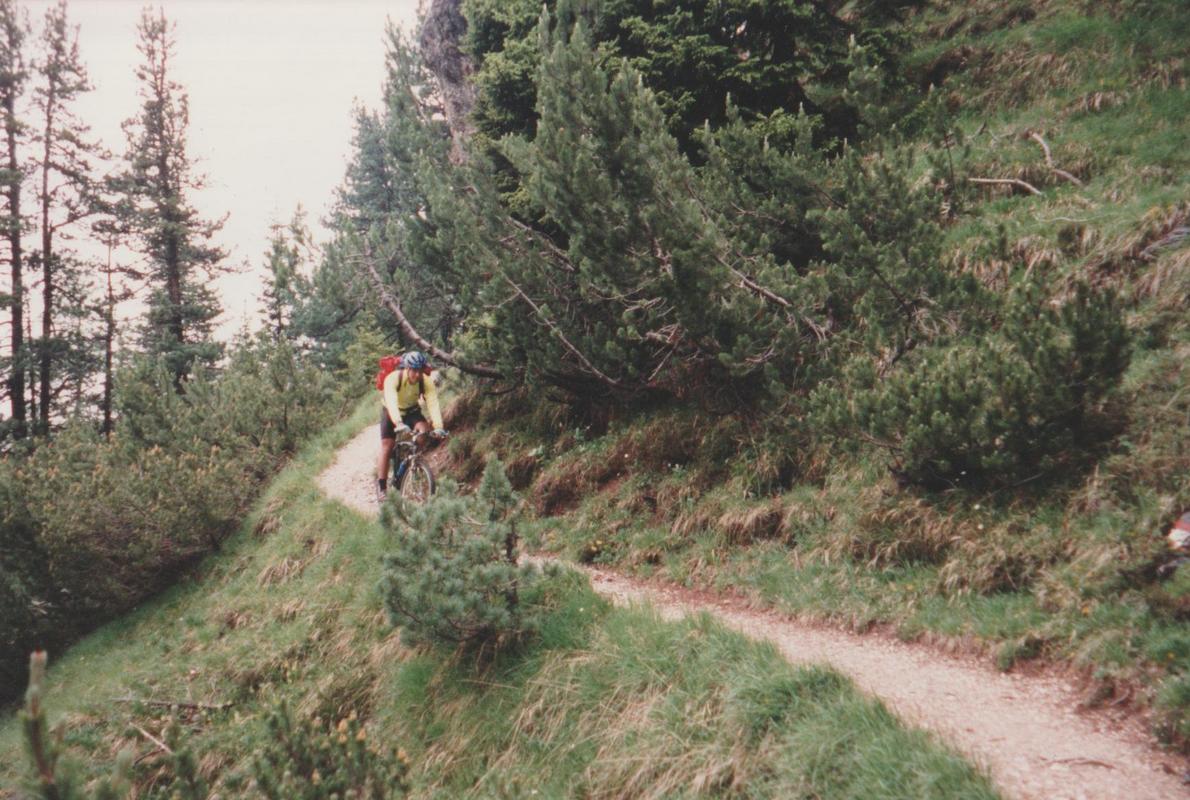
(1025, 730)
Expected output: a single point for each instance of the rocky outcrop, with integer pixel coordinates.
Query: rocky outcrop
(441, 36)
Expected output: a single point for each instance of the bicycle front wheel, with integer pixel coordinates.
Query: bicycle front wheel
(417, 484)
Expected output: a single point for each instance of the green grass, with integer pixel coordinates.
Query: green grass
(603, 703)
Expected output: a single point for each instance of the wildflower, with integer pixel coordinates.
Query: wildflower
(316, 778)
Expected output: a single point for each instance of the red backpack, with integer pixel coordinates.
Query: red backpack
(387, 365)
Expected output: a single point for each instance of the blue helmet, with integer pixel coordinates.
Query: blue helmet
(414, 359)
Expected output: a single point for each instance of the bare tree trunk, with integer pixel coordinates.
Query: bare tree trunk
(109, 335)
(47, 268)
(16, 377)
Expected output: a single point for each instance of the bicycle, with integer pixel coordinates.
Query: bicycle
(412, 476)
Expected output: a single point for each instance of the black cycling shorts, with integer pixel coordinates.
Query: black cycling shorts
(410, 416)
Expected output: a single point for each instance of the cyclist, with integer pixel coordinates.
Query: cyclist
(405, 389)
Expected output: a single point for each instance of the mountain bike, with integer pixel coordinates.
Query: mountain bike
(412, 476)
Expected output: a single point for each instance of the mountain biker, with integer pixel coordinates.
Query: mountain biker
(404, 390)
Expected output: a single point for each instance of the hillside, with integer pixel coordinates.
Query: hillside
(606, 702)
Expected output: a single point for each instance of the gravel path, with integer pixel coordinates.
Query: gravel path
(1023, 729)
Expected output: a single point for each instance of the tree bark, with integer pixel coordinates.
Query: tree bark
(16, 378)
(45, 356)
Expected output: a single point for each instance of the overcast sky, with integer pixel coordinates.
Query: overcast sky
(271, 83)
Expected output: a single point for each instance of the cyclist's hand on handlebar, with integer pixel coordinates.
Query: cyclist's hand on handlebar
(402, 430)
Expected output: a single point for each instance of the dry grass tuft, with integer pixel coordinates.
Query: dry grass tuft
(898, 530)
(281, 571)
(521, 470)
(741, 526)
(270, 518)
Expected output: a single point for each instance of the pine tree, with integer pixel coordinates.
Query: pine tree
(65, 197)
(168, 230)
(290, 250)
(453, 577)
(14, 27)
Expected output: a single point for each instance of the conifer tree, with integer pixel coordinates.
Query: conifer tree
(290, 250)
(66, 196)
(169, 232)
(453, 577)
(14, 28)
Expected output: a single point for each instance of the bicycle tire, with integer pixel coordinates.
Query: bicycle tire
(417, 484)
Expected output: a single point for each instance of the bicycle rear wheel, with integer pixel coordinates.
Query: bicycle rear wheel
(417, 484)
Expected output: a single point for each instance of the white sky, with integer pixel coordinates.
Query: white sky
(272, 84)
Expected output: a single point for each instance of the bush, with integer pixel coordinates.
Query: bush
(97, 524)
(1002, 408)
(452, 577)
(307, 760)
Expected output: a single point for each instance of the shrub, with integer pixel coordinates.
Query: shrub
(452, 577)
(90, 526)
(1002, 408)
(305, 759)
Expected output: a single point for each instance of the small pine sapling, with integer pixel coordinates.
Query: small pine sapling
(55, 778)
(453, 577)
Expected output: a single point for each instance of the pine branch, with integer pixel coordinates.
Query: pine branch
(393, 304)
(612, 382)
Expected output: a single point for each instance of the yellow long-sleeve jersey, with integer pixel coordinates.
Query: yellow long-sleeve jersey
(403, 394)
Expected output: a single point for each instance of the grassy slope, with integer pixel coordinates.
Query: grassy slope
(608, 702)
(1066, 574)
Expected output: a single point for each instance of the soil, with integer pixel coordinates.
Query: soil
(1027, 731)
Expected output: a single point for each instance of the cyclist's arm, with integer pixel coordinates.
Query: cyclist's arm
(431, 392)
(390, 397)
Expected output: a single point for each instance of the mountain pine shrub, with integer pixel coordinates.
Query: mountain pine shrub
(1001, 408)
(307, 759)
(452, 577)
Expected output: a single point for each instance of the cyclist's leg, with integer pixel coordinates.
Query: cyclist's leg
(388, 440)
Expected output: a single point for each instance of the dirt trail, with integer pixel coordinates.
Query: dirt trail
(1023, 729)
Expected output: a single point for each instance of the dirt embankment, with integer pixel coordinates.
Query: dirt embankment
(1024, 730)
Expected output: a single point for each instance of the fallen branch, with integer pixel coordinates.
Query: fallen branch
(177, 704)
(160, 744)
(1049, 160)
(1011, 182)
(1089, 762)
(393, 304)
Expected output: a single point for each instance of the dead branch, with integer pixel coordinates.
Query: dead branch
(1011, 182)
(160, 744)
(176, 704)
(1049, 160)
(393, 304)
(751, 285)
(612, 382)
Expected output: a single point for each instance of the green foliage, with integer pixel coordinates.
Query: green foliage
(452, 576)
(155, 207)
(102, 523)
(305, 759)
(1009, 406)
(765, 56)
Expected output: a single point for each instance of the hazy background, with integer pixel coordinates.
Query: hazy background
(272, 84)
